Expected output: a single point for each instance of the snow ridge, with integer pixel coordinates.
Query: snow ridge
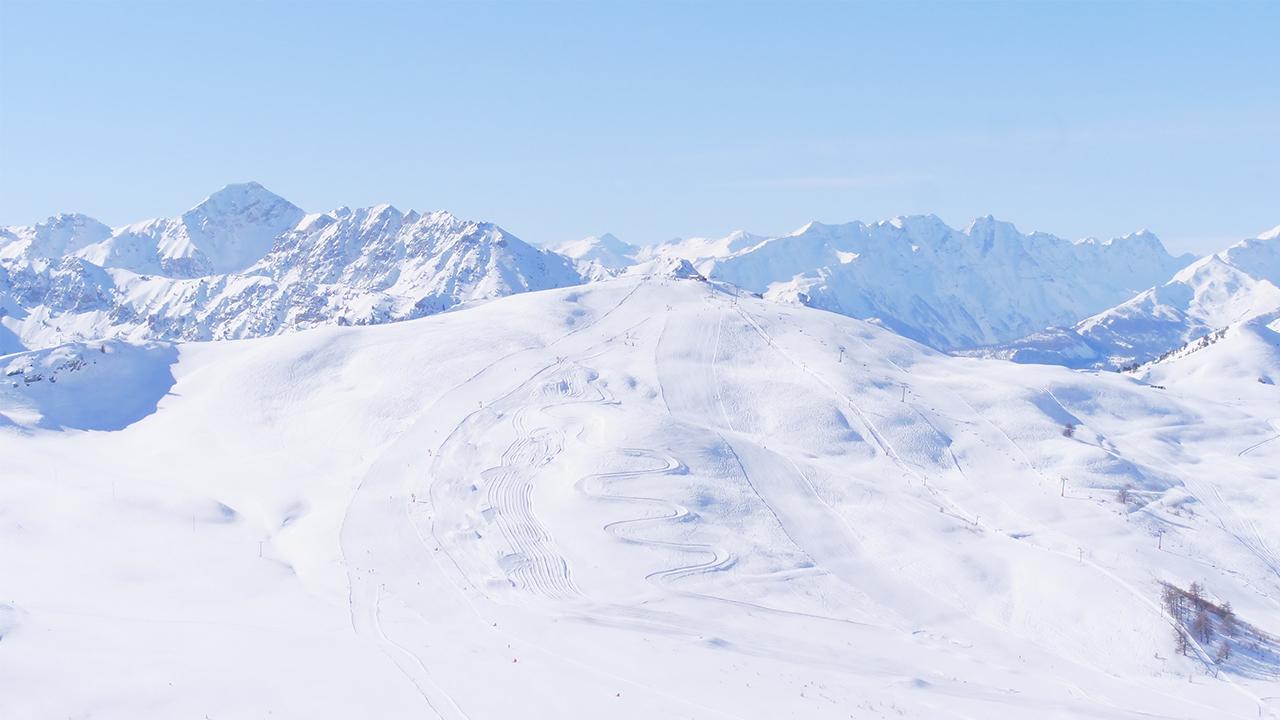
(1228, 288)
(247, 263)
(946, 288)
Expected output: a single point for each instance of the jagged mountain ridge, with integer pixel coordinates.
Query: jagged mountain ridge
(247, 263)
(1227, 289)
(917, 276)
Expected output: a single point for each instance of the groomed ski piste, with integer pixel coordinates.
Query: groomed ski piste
(646, 497)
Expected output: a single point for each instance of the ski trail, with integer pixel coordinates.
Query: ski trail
(1275, 423)
(1204, 656)
(1256, 545)
(419, 675)
(378, 551)
(811, 524)
(502, 496)
(596, 485)
(1255, 446)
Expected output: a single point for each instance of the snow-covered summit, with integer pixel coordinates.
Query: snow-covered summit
(605, 250)
(1224, 289)
(947, 288)
(244, 262)
(226, 232)
(59, 235)
(702, 252)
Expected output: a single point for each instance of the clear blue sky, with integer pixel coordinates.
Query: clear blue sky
(652, 120)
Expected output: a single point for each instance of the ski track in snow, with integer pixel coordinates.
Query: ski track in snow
(1275, 423)
(597, 487)
(460, 576)
(1137, 594)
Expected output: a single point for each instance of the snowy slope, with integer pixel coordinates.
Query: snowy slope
(949, 289)
(1226, 288)
(246, 263)
(644, 497)
(1228, 362)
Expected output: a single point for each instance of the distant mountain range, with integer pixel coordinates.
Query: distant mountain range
(245, 262)
(1233, 288)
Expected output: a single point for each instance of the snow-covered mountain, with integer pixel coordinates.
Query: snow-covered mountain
(600, 256)
(645, 497)
(227, 232)
(702, 252)
(949, 289)
(59, 235)
(246, 263)
(1225, 289)
(1232, 360)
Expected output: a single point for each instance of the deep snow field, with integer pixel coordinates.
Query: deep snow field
(645, 497)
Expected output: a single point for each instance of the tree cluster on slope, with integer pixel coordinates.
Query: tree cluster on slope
(1213, 632)
(1181, 351)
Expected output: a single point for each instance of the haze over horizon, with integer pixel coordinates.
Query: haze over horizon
(559, 121)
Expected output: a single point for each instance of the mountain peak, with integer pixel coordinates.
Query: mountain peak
(240, 196)
(73, 222)
(605, 250)
(987, 224)
(811, 226)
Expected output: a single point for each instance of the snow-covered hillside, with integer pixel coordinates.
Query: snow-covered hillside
(246, 263)
(1224, 289)
(946, 288)
(637, 498)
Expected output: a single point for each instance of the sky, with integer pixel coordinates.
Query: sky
(654, 120)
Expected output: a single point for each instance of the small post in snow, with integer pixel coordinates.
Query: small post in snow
(904, 392)
(259, 548)
(1063, 493)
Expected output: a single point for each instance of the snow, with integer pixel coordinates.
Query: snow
(48, 388)
(246, 263)
(59, 235)
(1227, 288)
(641, 497)
(946, 288)
(599, 255)
(226, 232)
